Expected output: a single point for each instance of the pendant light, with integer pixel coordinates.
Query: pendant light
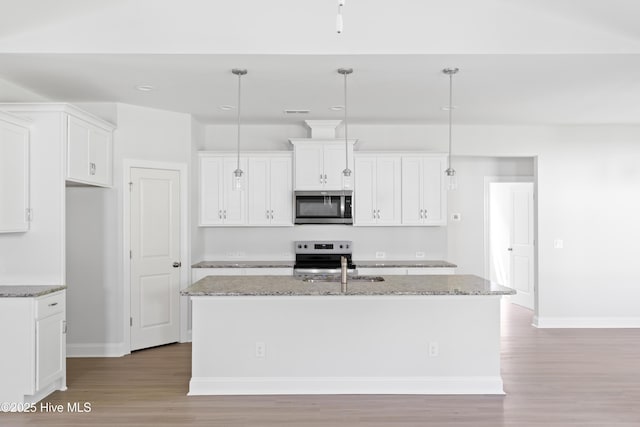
(238, 181)
(339, 23)
(346, 173)
(450, 172)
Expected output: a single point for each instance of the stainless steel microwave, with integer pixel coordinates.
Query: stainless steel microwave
(323, 207)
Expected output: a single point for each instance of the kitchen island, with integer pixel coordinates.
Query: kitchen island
(436, 334)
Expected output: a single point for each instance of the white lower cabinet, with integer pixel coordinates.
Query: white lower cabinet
(14, 174)
(33, 334)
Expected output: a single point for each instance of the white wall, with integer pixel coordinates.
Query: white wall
(466, 243)
(142, 134)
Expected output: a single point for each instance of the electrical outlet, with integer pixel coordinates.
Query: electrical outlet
(261, 350)
(381, 254)
(434, 349)
(558, 244)
(419, 254)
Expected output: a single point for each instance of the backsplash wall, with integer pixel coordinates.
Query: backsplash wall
(262, 243)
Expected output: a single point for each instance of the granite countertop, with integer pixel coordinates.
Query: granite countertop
(26, 291)
(244, 264)
(381, 263)
(456, 284)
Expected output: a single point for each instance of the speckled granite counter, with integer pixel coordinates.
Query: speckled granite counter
(404, 264)
(392, 285)
(244, 264)
(28, 291)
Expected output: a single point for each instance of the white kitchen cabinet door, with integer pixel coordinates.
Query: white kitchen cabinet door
(309, 166)
(234, 201)
(412, 213)
(365, 189)
(50, 349)
(14, 176)
(433, 191)
(211, 198)
(259, 185)
(388, 190)
(423, 192)
(319, 164)
(88, 153)
(220, 204)
(334, 163)
(281, 191)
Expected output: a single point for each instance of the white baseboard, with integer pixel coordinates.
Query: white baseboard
(97, 350)
(345, 385)
(586, 322)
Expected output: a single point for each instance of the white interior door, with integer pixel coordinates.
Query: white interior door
(155, 247)
(511, 239)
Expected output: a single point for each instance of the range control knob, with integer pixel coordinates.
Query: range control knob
(347, 246)
(299, 246)
(340, 246)
(305, 246)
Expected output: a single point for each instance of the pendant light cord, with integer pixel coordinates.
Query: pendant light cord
(346, 127)
(450, 114)
(239, 92)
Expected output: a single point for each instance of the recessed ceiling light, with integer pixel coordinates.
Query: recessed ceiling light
(446, 107)
(145, 88)
(337, 107)
(227, 107)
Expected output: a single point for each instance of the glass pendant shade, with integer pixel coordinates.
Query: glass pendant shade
(452, 181)
(450, 172)
(347, 178)
(238, 180)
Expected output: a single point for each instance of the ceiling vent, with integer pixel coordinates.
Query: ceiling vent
(296, 111)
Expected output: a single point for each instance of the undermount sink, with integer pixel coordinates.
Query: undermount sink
(349, 279)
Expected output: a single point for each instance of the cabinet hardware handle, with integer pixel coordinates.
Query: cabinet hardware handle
(177, 264)
(53, 304)
(378, 213)
(425, 214)
(271, 214)
(267, 214)
(421, 214)
(320, 178)
(374, 214)
(510, 249)
(224, 214)
(220, 214)
(325, 179)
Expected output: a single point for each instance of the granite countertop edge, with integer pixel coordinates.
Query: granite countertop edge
(28, 291)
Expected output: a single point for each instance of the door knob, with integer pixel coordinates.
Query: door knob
(177, 264)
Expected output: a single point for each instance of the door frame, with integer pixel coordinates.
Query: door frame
(185, 255)
(487, 255)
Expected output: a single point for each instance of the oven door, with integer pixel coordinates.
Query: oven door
(323, 207)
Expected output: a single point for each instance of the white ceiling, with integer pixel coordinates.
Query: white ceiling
(521, 61)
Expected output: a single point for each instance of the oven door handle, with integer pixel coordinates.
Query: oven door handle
(342, 206)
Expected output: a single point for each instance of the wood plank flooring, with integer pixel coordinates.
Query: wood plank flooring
(561, 377)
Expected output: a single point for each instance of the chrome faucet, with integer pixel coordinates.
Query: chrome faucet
(343, 274)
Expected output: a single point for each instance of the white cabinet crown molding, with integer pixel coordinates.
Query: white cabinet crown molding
(30, 107)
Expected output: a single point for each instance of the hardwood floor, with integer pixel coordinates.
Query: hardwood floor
(561, 377)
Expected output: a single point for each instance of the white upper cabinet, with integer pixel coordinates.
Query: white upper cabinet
(270, 191)
(377, 190)
(89, 158)
(14, 174)
(423, 191)
(318, 164)
(220, 204)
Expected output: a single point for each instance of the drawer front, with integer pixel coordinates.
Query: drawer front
(50, 304)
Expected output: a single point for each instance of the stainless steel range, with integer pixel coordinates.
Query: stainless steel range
(322, 257)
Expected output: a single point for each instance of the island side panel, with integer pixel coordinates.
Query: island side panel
(346, 345)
